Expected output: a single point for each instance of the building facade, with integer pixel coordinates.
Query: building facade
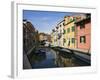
(52, 37)
(69, 32)
(62, 33)
(73, 32)
(30, 36)
(44, 37)
(55, 36)
(83, 33)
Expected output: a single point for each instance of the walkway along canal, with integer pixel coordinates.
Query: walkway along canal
(47, 57)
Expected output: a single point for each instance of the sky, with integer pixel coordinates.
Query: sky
(45, 21)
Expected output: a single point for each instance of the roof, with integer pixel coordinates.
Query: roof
(86, 19)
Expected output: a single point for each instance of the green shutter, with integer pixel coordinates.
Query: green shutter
(68, 30)
(73, 40)
(64, 31)
(73, 28)
(71, 20)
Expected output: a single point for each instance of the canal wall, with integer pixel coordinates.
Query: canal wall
(26, 63)
(26, 59)
(81, 55)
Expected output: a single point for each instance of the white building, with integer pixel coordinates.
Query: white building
(60, 34)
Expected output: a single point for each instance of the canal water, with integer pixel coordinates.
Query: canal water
(52, 59)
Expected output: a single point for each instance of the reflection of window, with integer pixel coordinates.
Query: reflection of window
(82, 39)
(82, 25)
(73, 28)
(68, 30)
(73, 40)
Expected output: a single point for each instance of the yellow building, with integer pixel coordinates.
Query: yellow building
(69, 32)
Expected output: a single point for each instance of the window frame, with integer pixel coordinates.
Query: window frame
(82, 39)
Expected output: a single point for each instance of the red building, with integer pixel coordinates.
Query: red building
(83, 33)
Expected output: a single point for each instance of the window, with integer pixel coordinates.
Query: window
(73, 40)
(88, 15)
(82, 39)
(69, 42)
(74, 19)
(63, 24)
(64, 40)
(82, 25)
(64, 31)
(68, 30)
(71, 20)
(73, 28)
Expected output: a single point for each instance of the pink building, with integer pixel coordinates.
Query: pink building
(83, 33)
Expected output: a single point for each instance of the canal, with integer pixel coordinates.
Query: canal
(50, 58)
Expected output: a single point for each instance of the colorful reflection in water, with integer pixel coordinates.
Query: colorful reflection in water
(50, 58)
